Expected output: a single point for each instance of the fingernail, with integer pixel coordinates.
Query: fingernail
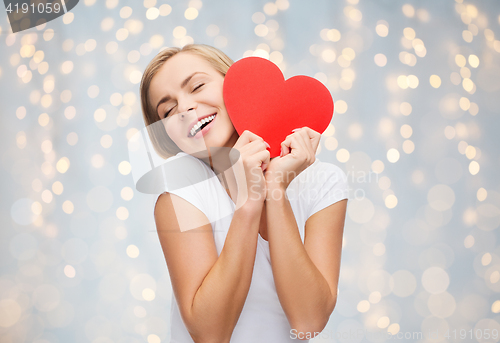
(281, 154)
(296, 129)
(267, 145)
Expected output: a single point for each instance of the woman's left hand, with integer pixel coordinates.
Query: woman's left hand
(298, 153)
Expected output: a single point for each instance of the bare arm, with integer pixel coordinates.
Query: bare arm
(209, 290)
(306, 275)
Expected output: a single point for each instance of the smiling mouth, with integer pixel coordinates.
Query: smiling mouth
(205, 121)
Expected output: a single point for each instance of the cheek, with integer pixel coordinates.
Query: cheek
(213, 97)
(224, 117)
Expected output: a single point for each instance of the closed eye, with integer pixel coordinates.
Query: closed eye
(195, 89)
(198, 87)
(166, 114)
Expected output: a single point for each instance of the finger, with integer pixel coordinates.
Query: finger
(308, 130)
(245, 138)
(285, 147)
(304, 138)
(290, 145)
(254, 147)
(301, 148)
(314, 137)
(262, 159)
(266, 161)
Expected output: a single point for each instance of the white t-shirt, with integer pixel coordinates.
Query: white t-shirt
(262, 318)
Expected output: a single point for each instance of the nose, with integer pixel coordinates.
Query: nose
(186, 104)
(185, 115)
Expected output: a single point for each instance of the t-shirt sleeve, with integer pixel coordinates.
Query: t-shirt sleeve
(331, 186)
(191, 194)
(187, 179)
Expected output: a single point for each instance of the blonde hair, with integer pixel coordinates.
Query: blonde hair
(162, 143)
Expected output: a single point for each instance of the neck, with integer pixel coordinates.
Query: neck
(218, 158)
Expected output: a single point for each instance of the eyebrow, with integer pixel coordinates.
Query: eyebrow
(183, 84)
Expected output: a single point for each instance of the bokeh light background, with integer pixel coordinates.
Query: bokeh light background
(416, 86)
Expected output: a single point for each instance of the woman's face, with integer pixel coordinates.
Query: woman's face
(184, 83)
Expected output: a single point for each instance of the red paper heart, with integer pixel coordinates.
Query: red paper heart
(258, 99)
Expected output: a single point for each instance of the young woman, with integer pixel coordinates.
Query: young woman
(269, 271)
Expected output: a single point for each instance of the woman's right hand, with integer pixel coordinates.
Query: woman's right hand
(249, 170)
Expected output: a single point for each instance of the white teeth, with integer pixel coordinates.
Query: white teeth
(200, 123)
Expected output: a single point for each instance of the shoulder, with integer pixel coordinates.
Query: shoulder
(188, 178)
(320, 185)
(178, 213)
(164, 207)
(185, 173)
(184, 167)
(320, 174)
